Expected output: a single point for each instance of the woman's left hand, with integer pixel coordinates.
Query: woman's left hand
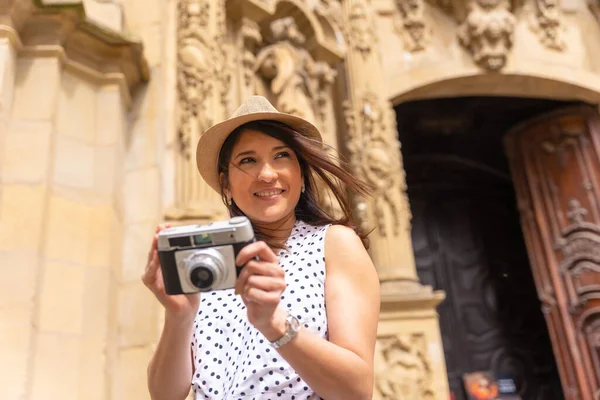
(261, 284)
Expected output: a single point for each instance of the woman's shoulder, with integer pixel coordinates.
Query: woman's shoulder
(342, 234)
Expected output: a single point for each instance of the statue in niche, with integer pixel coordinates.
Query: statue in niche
(404, 368)
(290, 77)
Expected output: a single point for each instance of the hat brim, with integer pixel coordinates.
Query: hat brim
(210, 143)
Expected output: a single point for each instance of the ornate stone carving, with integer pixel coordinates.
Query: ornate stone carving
(547, 23)
(361, 33)
(193, 71)
(404, 368)
(223, 52)
(487, 32)
(411, 24)
(332, 10)
(203, 75)
(295, 82)
(375, 156)
(252, 38)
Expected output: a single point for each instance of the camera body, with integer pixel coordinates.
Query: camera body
(200, 258)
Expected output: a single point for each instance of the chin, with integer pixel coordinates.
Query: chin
(269, 216)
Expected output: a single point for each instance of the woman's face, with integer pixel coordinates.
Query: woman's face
(265, 179)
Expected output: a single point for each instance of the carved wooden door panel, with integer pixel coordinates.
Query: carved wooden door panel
(555, 162)
(468, 242)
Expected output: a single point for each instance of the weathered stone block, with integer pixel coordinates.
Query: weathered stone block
(15, 342)
(76, 114)
(96, 303)
(138, 309)
(56, 367)
(61, 306)
(22, 216)
(30, 102)
(19, 274)
(111, 123)
(136, 244)
(141, 191)
(68, 230)
(74, 163)
(26, 152)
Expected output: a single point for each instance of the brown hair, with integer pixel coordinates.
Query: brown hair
(316, 165)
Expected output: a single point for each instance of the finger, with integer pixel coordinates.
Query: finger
(153, 247)
(160, 227)
(266, 283)
(260, 297)
(151, 269)
(258, 268)
(256, 249)
(254, 267)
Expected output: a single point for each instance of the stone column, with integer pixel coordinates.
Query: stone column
(204, 77)
(375, 151)
(409, 353)
(17, 256)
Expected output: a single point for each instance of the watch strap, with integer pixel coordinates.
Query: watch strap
(292, 328)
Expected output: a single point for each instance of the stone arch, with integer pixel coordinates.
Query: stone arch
(435, 84)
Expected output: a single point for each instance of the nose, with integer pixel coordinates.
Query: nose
(267, 173)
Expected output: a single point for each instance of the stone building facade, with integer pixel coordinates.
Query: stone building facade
(102, 102)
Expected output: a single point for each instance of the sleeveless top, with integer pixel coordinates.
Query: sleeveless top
(232, 359)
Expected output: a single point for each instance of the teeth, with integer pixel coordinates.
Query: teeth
(270, 193)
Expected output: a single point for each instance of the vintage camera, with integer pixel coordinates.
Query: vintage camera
(200, 258)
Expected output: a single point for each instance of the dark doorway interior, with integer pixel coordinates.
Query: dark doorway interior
(468, 241)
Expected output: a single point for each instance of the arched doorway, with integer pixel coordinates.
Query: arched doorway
(468, 240)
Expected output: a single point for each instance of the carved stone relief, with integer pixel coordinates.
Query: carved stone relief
(332, 10)
(291, 78)
(404, 368)
(547, 23)
(375, 155)
(411, 25)
(487, 32)
(203, 87)
(252, 38)
(360, 32)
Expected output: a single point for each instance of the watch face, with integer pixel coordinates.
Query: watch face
(294, 323)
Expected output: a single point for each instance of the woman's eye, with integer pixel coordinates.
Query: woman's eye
(246, 160)
(282, 154)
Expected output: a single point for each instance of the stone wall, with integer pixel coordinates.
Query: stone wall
(65, 203)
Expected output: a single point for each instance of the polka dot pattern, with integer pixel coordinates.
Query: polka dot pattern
(232, 359)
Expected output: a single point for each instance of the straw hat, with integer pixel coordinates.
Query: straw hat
(255, 108)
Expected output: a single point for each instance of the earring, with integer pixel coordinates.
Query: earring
(229, 202)
(303, 188)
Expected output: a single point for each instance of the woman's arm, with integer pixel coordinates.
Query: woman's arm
(171, 367)
(341, 368)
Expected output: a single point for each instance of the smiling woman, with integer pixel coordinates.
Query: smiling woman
(301, 321)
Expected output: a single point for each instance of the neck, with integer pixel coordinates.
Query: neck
(279, 230)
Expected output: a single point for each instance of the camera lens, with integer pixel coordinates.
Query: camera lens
(202, 277)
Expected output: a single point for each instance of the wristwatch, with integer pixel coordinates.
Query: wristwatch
(293, 326)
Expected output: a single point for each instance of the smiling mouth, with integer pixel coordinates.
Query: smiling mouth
(269, 193)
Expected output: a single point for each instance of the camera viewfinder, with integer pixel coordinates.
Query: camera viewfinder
(204, 238)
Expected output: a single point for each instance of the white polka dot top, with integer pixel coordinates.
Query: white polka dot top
(233, 360)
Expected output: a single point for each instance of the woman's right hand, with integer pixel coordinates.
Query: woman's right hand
(180, 306)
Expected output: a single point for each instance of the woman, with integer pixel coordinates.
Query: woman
(301, 322)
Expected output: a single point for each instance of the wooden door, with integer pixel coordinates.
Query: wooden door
(467, 241)
(555, 164)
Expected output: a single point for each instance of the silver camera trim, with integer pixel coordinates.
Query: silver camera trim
(234, 230)
(221, 254)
